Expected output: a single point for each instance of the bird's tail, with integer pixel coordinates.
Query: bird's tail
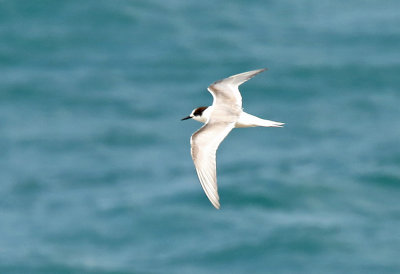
(248, 120)
(269, 123)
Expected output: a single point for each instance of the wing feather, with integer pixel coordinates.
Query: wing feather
(225, 111)
(205, 143)
(227, 90)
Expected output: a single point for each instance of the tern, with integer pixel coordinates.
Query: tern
(225, 114)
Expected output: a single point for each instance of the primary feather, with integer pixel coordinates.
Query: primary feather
(225, 112)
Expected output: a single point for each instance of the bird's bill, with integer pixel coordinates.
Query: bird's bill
(188, 117)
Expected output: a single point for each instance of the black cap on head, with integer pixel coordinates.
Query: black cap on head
(199, 111)
(196, 112)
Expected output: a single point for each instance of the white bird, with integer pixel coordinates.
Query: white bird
(225, 114)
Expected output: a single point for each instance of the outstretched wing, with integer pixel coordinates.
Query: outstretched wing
(226, 91)
(226, 109)
(204, 143)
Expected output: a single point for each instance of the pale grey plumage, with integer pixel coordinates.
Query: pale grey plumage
(226, 109)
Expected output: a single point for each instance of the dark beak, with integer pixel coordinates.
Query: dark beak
(188, 117)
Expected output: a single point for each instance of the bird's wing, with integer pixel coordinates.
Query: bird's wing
(226, 109)
(204, 143)
(226, 91)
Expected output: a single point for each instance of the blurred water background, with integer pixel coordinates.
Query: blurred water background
(95, 167)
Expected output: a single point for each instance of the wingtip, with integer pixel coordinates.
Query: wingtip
(261, 70)
(257, 71)
(215, 202)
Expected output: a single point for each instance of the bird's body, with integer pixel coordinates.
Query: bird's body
(225, 114)
(244, 120)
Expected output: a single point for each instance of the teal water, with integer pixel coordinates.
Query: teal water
(95, 167)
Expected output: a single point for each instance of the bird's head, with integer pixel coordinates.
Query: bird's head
(200, 114)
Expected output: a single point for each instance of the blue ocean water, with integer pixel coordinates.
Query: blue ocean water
(95, 167)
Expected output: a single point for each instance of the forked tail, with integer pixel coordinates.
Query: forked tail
(248, 120)
(269, 123)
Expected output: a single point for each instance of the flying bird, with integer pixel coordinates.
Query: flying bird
(225, 114)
